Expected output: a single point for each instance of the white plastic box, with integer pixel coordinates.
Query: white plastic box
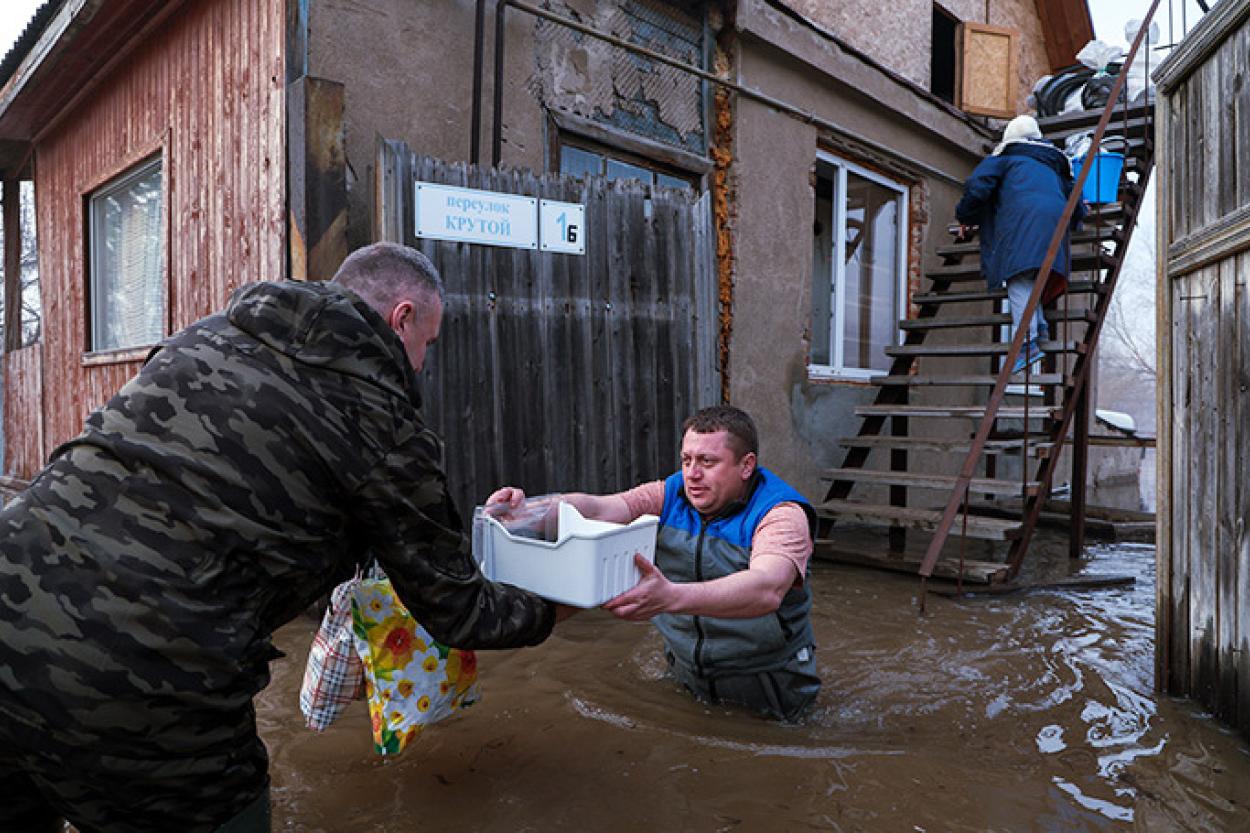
(589, 563)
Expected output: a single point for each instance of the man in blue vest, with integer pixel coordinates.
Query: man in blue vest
(728, 590)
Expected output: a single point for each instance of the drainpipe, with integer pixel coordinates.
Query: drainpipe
(479, 34)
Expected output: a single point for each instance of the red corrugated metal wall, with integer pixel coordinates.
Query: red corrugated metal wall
(206, 89)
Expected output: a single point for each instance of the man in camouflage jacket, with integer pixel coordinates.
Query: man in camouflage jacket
(243, 472)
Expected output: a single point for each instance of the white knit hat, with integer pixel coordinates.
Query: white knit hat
(1019, 129)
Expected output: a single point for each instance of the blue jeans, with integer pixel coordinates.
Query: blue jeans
(1019, 287)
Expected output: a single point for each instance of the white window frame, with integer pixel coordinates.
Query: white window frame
(838, 370)
(120, 183)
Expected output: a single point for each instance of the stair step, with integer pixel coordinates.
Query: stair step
(993, 529)
(1137, 131)
(1079, 238)
(993, 348)
(970, 571)
(1074, 288)
(992, 320)
(1082, 261)
(1039, 444)
(1066, 123)
(973, 379)
(958, 411)
(931, 481)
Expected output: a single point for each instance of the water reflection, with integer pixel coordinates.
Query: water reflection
(1022, 713)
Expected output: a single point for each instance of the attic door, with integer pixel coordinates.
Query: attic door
(987, 85)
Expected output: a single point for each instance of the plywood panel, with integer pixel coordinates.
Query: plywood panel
(988, 70)
(205, 90)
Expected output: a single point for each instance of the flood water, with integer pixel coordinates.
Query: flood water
(1027, 712)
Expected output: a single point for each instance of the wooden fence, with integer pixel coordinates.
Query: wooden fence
(562, 372)
(1204, 371)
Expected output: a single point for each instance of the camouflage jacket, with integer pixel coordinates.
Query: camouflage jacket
(249, 466)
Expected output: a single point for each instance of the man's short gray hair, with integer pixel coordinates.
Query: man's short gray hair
(384, 274)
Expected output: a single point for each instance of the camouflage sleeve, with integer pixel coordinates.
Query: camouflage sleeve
(412, 526)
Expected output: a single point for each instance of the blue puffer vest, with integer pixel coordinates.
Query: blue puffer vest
(692, 548)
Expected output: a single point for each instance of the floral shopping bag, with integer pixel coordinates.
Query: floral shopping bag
(334, 675)
(411, 681)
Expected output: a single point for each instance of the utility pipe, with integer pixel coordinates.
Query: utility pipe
(479, 34)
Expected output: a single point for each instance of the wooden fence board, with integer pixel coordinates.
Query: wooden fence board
(559, 372)
(1240, 639)
(1225, 367)
(1202, 568)
(1182, 385)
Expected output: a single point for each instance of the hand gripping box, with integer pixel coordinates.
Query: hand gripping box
(589, 563)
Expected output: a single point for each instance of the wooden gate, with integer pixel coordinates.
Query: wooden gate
(560, 372)
(1204, 372)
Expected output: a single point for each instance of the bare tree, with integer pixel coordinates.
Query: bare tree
(1131, 349)
(32, 313)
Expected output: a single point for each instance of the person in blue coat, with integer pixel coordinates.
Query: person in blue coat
(1017, 196)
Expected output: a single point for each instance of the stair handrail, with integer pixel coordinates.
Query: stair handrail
(963, 481)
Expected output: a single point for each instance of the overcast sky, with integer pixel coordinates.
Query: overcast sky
(14, 16)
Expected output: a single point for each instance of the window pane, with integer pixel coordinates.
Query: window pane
(673, 182)
(578, 162)
(872, 273)
(128, 263)
(624, 170)
(822, 273)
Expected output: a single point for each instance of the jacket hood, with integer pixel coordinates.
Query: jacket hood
(325, 325)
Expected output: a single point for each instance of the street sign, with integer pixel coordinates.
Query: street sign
(445, 212)
(562, 226)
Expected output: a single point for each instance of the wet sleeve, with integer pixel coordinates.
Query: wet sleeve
(784, 531)
(978, 191)
(414, 530)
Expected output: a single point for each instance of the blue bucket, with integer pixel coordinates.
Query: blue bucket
(1103, 183)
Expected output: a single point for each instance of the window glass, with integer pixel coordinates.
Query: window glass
(673, 182)
(871, 273)
(858, 269)
(583, 161)
(618, 169)
(127, 251)
(578, 162)
(822, 273)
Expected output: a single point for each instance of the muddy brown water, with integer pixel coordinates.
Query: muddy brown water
(1030, 712)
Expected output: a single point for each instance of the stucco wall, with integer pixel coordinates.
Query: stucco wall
(898, 33)
(408, 73)
(800, 418)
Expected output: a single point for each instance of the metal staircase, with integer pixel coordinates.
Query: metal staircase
(1021, 422)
